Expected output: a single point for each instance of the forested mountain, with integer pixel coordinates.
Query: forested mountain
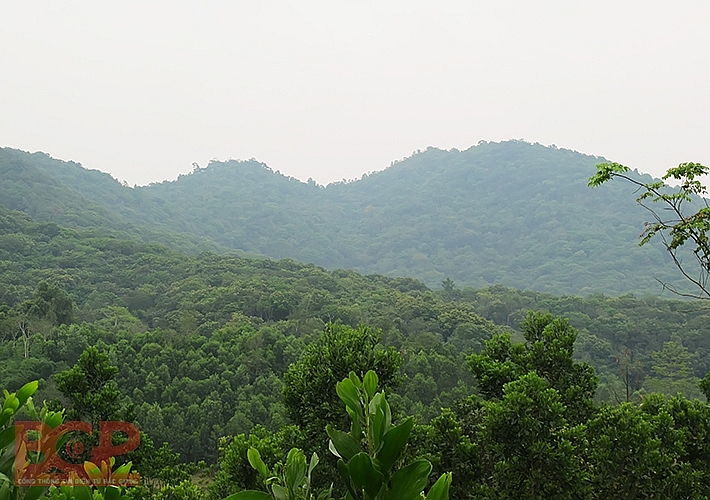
(513, 213)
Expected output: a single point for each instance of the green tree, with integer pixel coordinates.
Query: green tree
(672, 371)
(548, 353)
(448, 289)
(91, 390)
(532, 449)
(454, 441)
(309, 384)
(705, 386)
(50, 303)
(657, 450)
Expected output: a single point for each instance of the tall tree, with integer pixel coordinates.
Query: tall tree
(673, 371)
(91, 390)
(548, 353)
(530, 444)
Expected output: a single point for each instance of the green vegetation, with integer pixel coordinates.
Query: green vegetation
(678, 222)
(201, 343)
(512, 213)
(368, 453)
(15, 404)
(253, 365)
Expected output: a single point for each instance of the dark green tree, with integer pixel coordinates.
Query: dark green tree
(448, 289)
(309, 384)
(548, 353)
(91, 390)
(672, 371)
(532, 449)
(50, 303)
(656, 450)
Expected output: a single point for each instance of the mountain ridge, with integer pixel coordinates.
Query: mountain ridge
(514, 213)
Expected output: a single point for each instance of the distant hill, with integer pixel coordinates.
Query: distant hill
(513, 213)
(65, 193)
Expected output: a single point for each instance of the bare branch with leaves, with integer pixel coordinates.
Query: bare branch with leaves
(675, 223)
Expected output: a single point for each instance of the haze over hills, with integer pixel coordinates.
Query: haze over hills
(514, 213)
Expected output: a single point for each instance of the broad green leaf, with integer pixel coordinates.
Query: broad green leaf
(393, 443)
(94, 473)
(355, 379)
(5, 491)
(409, 482)
(6, 414)
(7, 460)
(375, 403)
(26, 391)
(344, 443)
(31, 409)
(82, 493)
(349, 394)
(364, 475)
(380, 424)
(11, 402)
(295, 468)
(112, 493)
(440, 489)
(345, 475)
(388, 414)
(280, 493)
(250, 495)
(331, 448)
(123, 469)
(370, 382)
(326, 494)
(312, 465)
(355, 429)
(257, 463)
(54, 419)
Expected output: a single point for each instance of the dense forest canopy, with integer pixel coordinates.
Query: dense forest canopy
(219, 356)
(513, 213)
(224, 329)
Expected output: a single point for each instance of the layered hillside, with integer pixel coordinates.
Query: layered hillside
(217, 332)
(513, 213)
(202, 341)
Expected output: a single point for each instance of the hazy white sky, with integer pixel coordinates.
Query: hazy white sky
(333, 89)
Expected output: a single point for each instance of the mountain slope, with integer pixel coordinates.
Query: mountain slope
(65, 193)
(513, 213)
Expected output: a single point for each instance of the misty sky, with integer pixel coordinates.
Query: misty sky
(331, 90)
